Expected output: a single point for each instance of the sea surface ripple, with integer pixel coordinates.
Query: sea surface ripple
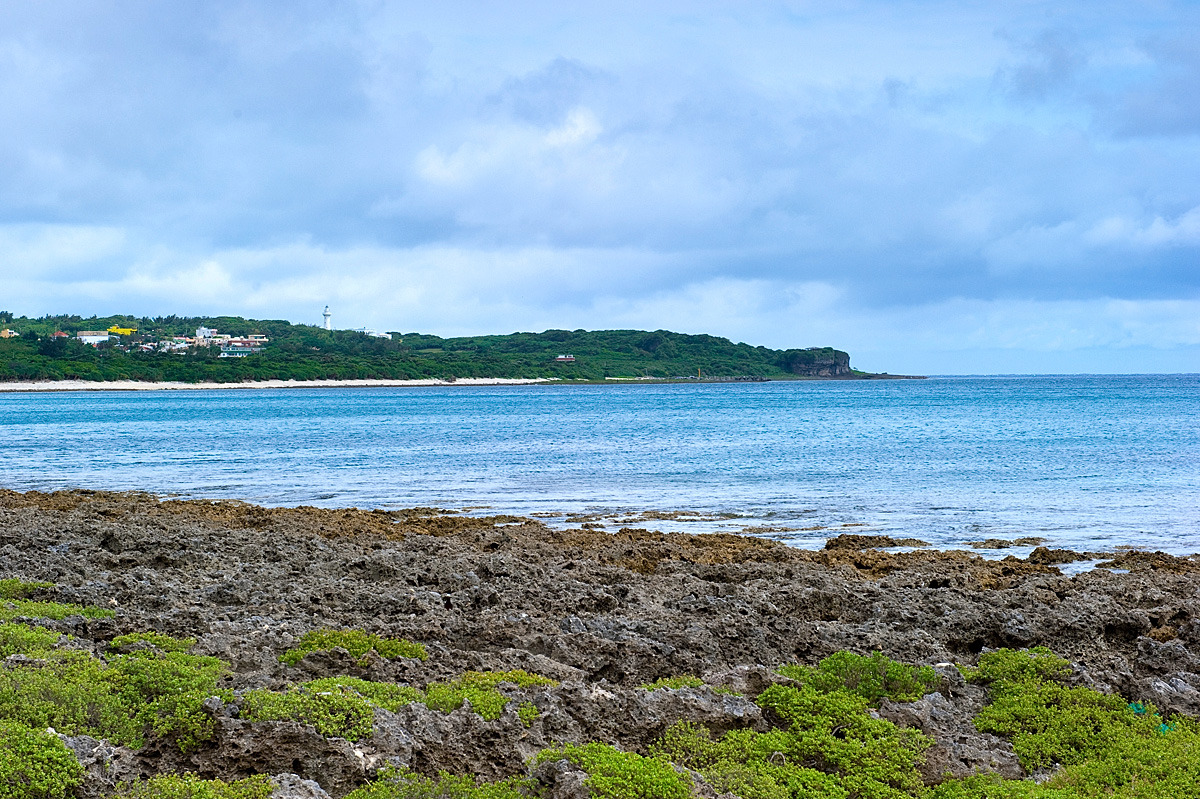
(1086, 462)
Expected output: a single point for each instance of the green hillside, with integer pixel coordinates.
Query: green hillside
(306, 352)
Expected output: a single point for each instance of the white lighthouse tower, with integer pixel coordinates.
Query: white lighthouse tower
(328, 325)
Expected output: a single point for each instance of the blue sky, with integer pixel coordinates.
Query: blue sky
(936, 187)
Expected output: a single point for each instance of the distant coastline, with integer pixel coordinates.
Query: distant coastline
(236, 351)
(138, 385)
(29, 386)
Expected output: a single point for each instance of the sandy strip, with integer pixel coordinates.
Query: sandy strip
(134, 385)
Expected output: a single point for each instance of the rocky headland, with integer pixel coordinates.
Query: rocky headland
(596, 615)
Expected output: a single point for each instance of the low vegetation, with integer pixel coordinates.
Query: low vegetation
(406, 784)
(677, 682)
(35, 764)
(343, 707)
(189, 786)
(123, 699)
(825, 741)
(16, 604)
(872, 677)
(613, 774)
(356, 642)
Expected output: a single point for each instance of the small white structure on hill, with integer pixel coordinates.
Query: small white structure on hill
(328, 324)
(92, 337)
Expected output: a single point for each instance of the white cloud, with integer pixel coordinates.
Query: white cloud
(1159, 232)
(51, 251)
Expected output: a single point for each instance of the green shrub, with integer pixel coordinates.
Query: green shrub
(833, 732)
(1107, 747)
(356, 642)
(19, 639)
(528, 713)
(872, 677)
(681, 681)
(189, 786)
(29, 609)
(35, 764)
(165, 691)
(386, 695)
(12, 588)
(405, 784)
(613, 774)
(70, 691)
(163, 643)
(343, 707)
(479, 690)
(1151, 765)
(334, 711)
(745, 763)
(135, 694)
(829, 748)
(1036, 663)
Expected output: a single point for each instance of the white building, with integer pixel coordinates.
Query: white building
(93, 337)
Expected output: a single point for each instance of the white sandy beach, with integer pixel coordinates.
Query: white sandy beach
(133, 385)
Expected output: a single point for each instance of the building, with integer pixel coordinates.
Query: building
(93, 337)
(122, 331)
(328, 325)
(8, 333)
(250, 343)
(229, 350)
(565, 359)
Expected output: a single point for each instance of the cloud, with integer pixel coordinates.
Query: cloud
(1051, 62)
(470, 168)
(1160, 98)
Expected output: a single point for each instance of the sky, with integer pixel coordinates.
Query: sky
(935, 187)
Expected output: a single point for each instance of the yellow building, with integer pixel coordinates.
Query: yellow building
(122, 331)
(7, 333)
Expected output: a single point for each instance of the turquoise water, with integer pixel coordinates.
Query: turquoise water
(1086, 462)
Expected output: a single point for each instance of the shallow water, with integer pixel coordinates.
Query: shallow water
(1087, 462)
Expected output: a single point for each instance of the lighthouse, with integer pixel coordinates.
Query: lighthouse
(328, 325)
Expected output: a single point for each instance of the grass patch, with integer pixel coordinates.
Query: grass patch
(828, 747)
(15, 603)
(356, 642)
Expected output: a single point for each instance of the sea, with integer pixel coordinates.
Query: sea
(1091, 463)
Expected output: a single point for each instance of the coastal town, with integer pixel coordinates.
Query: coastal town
(128, 339)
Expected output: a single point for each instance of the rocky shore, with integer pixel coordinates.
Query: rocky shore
(600, 614)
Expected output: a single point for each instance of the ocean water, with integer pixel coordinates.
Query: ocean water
(1087, 462)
